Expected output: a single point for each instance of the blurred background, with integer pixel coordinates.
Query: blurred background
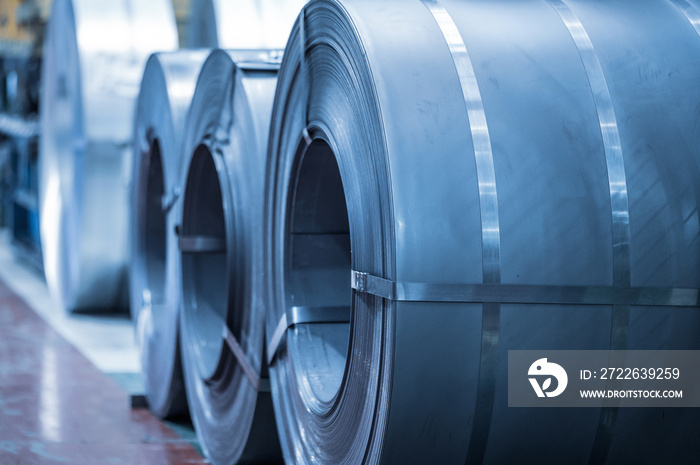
(22, 24)
(78, 347)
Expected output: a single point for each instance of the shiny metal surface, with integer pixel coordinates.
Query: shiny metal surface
(304, 315)
(95, 53)
(225, 143)
(619, 204)
(241, 24)
(242, 359)
(593, 136)
(490, 229)
(524, 294)
(691, 12)
(166, 91)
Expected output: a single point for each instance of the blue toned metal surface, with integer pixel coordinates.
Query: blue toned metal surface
(94, 56)
(222, 175)
(619, 204)
(166, 91)
(588, 111)
(524, 293)
(490, 229)
(691, 12)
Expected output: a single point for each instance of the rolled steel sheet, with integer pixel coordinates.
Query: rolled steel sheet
(94, 56)
(221, 252)
(166, 92)
(241, 24)
(448, 153)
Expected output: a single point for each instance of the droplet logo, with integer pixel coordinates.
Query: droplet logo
(545, 371)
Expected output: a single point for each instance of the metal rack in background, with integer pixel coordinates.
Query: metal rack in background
(22, 24)
(21, 36)
(18, 157)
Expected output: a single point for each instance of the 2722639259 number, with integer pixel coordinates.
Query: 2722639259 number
(639, 373)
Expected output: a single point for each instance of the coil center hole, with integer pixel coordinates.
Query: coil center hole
(155, 227)
(318, 274)
(203, 251)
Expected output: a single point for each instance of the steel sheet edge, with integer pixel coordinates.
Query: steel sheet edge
(94, 56)
(241, 24)
(166, 92)
(530, 143)
(225, 144)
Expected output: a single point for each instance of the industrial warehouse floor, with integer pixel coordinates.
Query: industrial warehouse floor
(68, 402)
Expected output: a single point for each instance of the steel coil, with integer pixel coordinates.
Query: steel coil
(221, 249)
(469, 165)
(94, 56)
(166, 91)
(241, 24)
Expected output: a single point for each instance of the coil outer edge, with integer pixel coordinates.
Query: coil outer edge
(413, 297)
(166, 91)
(94, 56)
(231, 406)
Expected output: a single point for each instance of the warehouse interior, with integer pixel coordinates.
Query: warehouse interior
(349, 232)
(61, 372)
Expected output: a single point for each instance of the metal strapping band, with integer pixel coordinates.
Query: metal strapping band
(690, 12)
(306, 137)
(202, 244)
(276, 339)
(169, 200)
(618, 202)
(490, 227)
(525, 293)
(241, 358)
(304, 315)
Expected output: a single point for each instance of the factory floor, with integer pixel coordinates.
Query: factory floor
(65, 383)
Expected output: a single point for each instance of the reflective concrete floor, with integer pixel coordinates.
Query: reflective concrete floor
(57, 407)
(107, 340)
